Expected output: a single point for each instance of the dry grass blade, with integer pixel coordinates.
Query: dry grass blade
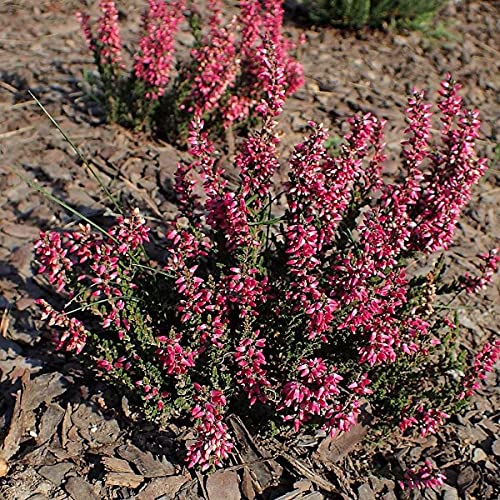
(12, 133)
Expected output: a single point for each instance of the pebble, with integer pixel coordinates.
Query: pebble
(495, 447)
(365, 492)
(450, 493)
(479, 456)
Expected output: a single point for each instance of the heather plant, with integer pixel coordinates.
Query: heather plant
(222, 81)
(300, 315)
(359, 13)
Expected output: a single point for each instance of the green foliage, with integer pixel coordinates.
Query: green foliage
(357, 13)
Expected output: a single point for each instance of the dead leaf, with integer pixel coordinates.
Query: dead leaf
(4, 322)
(66, 425)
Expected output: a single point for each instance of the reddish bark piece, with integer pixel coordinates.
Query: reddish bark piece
(49, 422)
(93, 427)
(127, 479)
(113, 464)
(263, 472)
(55, 473)
(144, 462)
(46, 387)
(223, 484)
(12, 439)
(162, 486)
(467, 479)
(79, 489)
(22, 231)
(332, 450)
(247, 485)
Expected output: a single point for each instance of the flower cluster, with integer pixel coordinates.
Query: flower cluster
(302, 313)
(422, 477)
(483, 364)
(154, 61)
(426, 420)
(249, 357)
(312, 394)
(234, 66)
(214, 442)
(487, 269)
(74, 336)
(107, 46)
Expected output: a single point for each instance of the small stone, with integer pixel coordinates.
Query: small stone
(365, 492)
(303, 485)
(495, 448)
(450, 493)
(4, 467)
(479, 456)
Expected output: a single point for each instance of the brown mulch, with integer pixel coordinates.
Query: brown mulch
(62, 434)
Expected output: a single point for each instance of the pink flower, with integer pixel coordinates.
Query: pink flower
(251, 375)
(361, 386)
(84, 21)
(175, 358)
(108, 34)
(74, 336)
(213, 442)
(422, 477)
(215, 65)
(487, 269)
(483, 364)
(53, 257)
(130, 231)
(314, 394)
(427, 420)
(153, 62)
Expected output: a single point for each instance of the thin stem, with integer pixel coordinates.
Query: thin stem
(109, 299)
(80, 155)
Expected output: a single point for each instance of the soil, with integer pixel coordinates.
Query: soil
(63, 434)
